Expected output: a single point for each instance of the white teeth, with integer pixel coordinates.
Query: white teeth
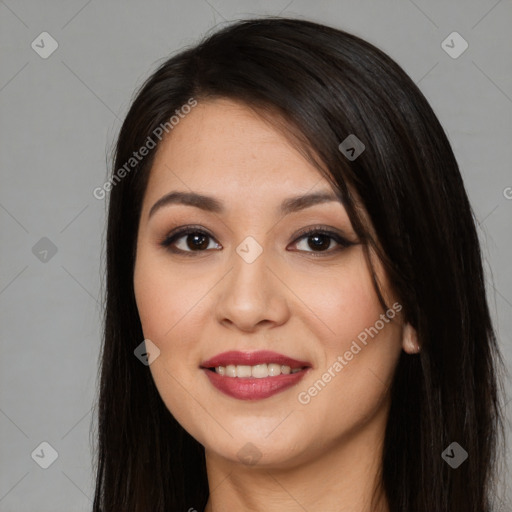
(274, 369)
(243, 371)
(230, 370)
(258, 371)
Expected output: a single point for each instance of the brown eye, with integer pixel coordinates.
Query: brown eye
(320, 241)
(197, 241)
(194, 240)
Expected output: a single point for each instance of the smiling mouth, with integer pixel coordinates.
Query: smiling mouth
(258, 371)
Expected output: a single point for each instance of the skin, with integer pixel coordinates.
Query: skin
(303, 302)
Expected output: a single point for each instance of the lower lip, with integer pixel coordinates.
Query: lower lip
(250, 388)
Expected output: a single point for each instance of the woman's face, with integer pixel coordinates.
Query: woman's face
(247, 279)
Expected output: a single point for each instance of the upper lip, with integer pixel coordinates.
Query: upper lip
(235, 357)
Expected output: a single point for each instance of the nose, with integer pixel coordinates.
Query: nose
(252, 295)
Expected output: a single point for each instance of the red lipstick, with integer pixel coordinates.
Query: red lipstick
(253, 388)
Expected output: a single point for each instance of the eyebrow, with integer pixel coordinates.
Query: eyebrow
(210, 204)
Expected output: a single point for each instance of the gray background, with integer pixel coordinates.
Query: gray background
(59, 118)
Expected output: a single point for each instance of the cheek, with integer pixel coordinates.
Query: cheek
(350, 390)
(164, 299)
(341, 304)
(359, 353)
(165, 317)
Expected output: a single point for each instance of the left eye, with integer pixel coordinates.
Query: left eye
(319, 242)
(320, 239)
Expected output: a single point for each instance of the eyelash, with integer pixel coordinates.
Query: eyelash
(171, 238)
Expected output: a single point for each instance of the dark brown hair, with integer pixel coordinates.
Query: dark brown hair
(326, 84)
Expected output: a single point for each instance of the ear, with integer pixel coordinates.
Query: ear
(410, 339)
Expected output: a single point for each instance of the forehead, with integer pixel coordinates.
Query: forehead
(225, 146)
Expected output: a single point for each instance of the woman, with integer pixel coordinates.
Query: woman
(296, 314)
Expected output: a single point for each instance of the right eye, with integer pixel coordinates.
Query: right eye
(195, 240)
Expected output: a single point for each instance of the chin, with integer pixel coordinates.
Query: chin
(254, 454)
